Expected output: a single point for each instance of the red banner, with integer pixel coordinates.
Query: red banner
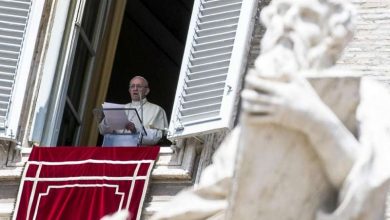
(84, 182)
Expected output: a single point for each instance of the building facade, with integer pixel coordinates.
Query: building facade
(59, 60)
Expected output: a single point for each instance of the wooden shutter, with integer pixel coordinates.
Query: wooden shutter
(15, 59)
(213, 62)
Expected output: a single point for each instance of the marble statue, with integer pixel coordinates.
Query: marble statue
(306, 147)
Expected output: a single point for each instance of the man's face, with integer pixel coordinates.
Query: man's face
(138, 89)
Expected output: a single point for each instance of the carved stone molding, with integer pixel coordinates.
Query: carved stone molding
(176, 165)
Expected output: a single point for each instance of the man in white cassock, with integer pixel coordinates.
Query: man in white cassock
(153, 117)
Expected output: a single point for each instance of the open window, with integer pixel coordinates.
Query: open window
(19, 23)
(151, 44)
(214, 35)
(206, 78)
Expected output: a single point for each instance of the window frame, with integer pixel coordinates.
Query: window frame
(49, 124)
(48, 69)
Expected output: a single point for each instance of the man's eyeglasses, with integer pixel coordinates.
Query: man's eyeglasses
(137, 86)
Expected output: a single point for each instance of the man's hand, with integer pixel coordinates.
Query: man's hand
(131, 127)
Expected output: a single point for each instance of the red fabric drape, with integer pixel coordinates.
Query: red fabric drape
(84, 182)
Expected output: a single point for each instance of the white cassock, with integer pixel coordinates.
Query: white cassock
(154, 120)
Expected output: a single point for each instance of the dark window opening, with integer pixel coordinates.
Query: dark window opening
(151, 44)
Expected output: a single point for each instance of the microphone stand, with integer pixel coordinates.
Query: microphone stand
(142, 117)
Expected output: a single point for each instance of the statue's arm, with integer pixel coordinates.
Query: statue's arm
(294, 103)
(335, 145)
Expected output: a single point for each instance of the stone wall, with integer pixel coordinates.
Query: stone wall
(369, 51)
(258, 32)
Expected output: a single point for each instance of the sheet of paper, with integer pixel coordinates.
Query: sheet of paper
(115, 115)
(112, 105)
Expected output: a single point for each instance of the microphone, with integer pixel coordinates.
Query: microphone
(141, 106)
(141, 135)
